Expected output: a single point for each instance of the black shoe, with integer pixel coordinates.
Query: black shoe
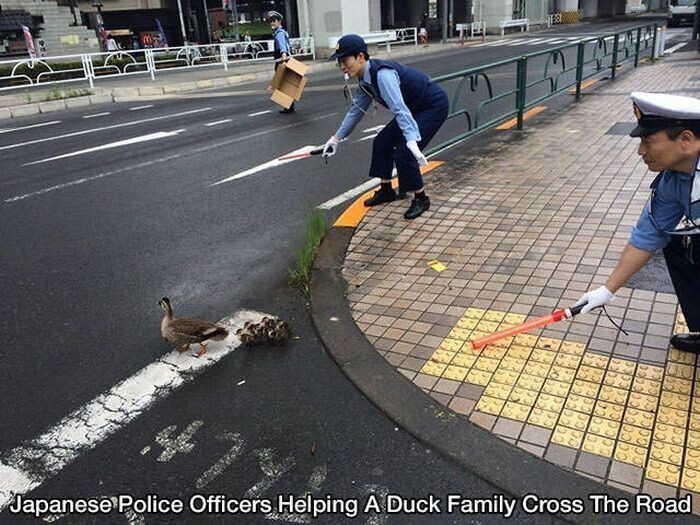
(289, 110)
(687, 342)
(418, 207)
(381, 197)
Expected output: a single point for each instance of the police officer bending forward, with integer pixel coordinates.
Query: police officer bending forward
(669, 128)
(419, 106)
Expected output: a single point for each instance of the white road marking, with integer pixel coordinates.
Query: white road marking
(104, 113)
(273, 471)
(491, 43)
(139, 108)
(217, 122)
(368, 137)
(105, 128)
(354, 192)
(111, 145)
(40, 125)
(224, 462)
(267, 165)
(27, 466)
(375, 128)
(675, 48)
(260, 113)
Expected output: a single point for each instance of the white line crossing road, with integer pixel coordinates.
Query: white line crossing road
(267, 165)
(103, 114)
(40, 125)
(27, 466)
(217, 122)
(540, 41)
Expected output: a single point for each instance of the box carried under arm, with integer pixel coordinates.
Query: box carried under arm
(289, 82)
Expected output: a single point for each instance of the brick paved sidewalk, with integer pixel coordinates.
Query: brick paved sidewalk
(522, 231)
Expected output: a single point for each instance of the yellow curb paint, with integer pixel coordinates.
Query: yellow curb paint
(352, 216)
(510, 124)
(588, 83)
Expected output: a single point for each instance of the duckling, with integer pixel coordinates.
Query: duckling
(184, 331)
(246, 335)
(268, 330)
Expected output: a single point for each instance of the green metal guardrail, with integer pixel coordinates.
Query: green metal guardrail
(592, 58)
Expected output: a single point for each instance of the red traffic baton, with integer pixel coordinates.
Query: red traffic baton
(539, 322)
(315, 151)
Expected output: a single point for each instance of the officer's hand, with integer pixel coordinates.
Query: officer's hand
(595, 298)
(331, 147)
(413, 148)
(270, 89)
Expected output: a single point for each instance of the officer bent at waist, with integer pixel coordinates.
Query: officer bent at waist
(669, 129)
(419, 106)
(282, 47)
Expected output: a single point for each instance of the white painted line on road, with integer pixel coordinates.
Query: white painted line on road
(491, 43)
(111, 145)
(368, 137)
(260, 113)
(675, 48)
(40, 125)
(103, 114)
(535, 41)
(27, 466)
(139, 108)
(372, 130)
(354, 192)
(217, 122)
(265, 166)
(104, 128)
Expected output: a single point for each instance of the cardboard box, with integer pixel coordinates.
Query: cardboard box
(289, 82)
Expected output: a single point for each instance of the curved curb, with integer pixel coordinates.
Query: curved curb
(475, 449)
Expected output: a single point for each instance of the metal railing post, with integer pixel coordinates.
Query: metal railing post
(636, 47)
(224, 56)
(522, 86)
(580, 57)
(151, 64)
(616, 43)
(87, 70)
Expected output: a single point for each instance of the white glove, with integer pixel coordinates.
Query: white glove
(413, 148)
(595, 298)
(331, 147)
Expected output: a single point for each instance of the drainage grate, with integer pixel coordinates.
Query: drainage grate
(621, 128)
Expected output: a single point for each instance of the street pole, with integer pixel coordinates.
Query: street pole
(445, 14)
(182, 23)
(236, 27)
(696, 26)
(206, 17)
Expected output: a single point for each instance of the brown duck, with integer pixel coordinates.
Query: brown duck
(185, 332)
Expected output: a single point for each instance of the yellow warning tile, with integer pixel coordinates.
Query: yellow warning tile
(568, 347)
(561, 373)
(691, 480)
(653, 373)
(479, 377)
(663, 472)
(490, 405)
(579, 403)
(604, 427)
(450, 345)
(464, 360)
(523, 396)
(575, 420)
(613, 395)
(567, 361)
(631, 454)
(505, 377)
(548, 343)
(550, 403)
(677, 384)
(461, 334)
(543, 418)
(487, 326)
(530, 382)
(693, 440)
(588, 373)
(494, 352)
(595, 360)
(442, 356)
(512, 364)
(456, 373)
(537, 369)
(498, 390)
(676, 356)
(675, 400)
(608, 410)
(519, 352)
(671, 416)
(669, 434)
(598, 445)
(679, 370)
(513, 318)
(694, 422)
(540, 355)
(617, 380)
(692, 459)
(646, 386)
(495, 316)
(680, 329)
(515, 411)
(567, 437)
(622, 366)
(556, 388)
(466, 323)
(667, 453)
(486, 364)
(639, 418)
(642, 402)
(475, 313)
(433, 369)
(637, 436)
(585, 388)
(525, 340)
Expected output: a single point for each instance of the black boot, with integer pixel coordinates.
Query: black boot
(381, 196)
(290, 109)
(419, 205)
(687, 342)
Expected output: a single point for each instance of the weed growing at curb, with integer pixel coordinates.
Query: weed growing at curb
(300, 276)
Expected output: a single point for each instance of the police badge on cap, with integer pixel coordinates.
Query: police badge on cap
(657, 111)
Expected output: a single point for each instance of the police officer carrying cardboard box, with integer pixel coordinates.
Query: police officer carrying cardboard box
(282, 47)
(419, 106)
(669, 129)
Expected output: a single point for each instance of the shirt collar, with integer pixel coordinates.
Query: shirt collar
(367, 76)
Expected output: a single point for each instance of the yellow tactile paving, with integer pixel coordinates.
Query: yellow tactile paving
(636, 413)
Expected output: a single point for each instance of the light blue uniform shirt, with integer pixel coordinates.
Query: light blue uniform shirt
(282, 41)
(675, 196)
(390, 89)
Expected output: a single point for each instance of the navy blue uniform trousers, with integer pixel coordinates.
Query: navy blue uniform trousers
(683, 260)
(389, 145)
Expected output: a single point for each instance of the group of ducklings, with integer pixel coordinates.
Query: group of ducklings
(184, 331)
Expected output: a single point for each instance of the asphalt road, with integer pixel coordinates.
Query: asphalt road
(110, 208)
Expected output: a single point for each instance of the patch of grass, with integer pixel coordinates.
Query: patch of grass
(55, 93)
(300, 276)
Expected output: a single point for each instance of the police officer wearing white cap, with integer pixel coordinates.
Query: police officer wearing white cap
(669, 129)
(282, 48)
(420, 107)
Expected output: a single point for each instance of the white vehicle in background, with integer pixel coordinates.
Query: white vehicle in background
(680, 11)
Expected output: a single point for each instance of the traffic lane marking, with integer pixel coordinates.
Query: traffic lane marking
(39, 125)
